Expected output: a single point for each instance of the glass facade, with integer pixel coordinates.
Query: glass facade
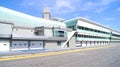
(58, 43)
(90, 36)
(92, 30)
(58, 33)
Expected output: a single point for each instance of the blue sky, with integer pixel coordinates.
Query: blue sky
(106, 12)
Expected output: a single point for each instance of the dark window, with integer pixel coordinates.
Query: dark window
(16, 29)
(58, 43)
(98, 31)
(82, 28)
(15, 44)
(95, 30)
(5, 44)
(61, 33)
(82, 35)
(40, 44)
(32, 44)
(91, 29)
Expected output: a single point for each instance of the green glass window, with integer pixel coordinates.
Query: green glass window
(58, 33)
(58, 43)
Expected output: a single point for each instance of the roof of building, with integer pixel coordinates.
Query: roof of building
(71, 22)
(21, 19)
(84, 19)
(5, 36)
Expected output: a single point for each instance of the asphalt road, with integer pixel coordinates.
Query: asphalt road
(105, 57)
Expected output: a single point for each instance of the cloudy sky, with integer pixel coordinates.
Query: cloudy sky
(106, 12)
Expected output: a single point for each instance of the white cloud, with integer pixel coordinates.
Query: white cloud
(86, 6)
(110, 19)
(88, 17)
(101, 9)
(63, 3)
(107, 2)
(68, 6)
(63, 6)
(95, 6)
(118, 9)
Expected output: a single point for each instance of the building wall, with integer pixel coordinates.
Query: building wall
(72, 42)
(89, 33)
(48, 32)
(115, 36)
(40, 33)
(52, 45)
(5, 29)
(98, 32)
(26, 45)
(36, 44)
(19, 45)
(22, 31)
(91, 25)
(4, 45)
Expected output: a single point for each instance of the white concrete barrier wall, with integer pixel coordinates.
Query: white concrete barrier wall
(4, 45)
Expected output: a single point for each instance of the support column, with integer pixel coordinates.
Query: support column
(29, 45)
(44, 44)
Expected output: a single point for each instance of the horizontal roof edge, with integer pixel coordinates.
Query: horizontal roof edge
(6, 22)
(29, 16)
(71, 20)
(22, 27)
(93, 22)
(87, 20)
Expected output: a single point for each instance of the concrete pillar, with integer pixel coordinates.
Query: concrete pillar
(98, 43)
(83, 43)
(103, 43)
(106, 43)
(88, 43)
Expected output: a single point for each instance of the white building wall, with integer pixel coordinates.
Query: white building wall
(4, 45)
(72, 43)
(36, 44)
(90, 25)
(19, 45)
(48, 32)
(115, 32)
(19, 31)
(5, 29)
(51, 45)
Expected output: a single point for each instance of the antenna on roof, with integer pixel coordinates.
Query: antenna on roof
(46, 13)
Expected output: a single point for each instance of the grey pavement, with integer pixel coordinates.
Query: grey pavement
(106, 57)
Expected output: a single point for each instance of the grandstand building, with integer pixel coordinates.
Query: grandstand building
(19, 31)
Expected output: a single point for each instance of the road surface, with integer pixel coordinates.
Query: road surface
(104, 57)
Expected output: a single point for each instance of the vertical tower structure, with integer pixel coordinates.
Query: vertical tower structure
(46, 13)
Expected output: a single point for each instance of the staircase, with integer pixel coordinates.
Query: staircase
(70, 35)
